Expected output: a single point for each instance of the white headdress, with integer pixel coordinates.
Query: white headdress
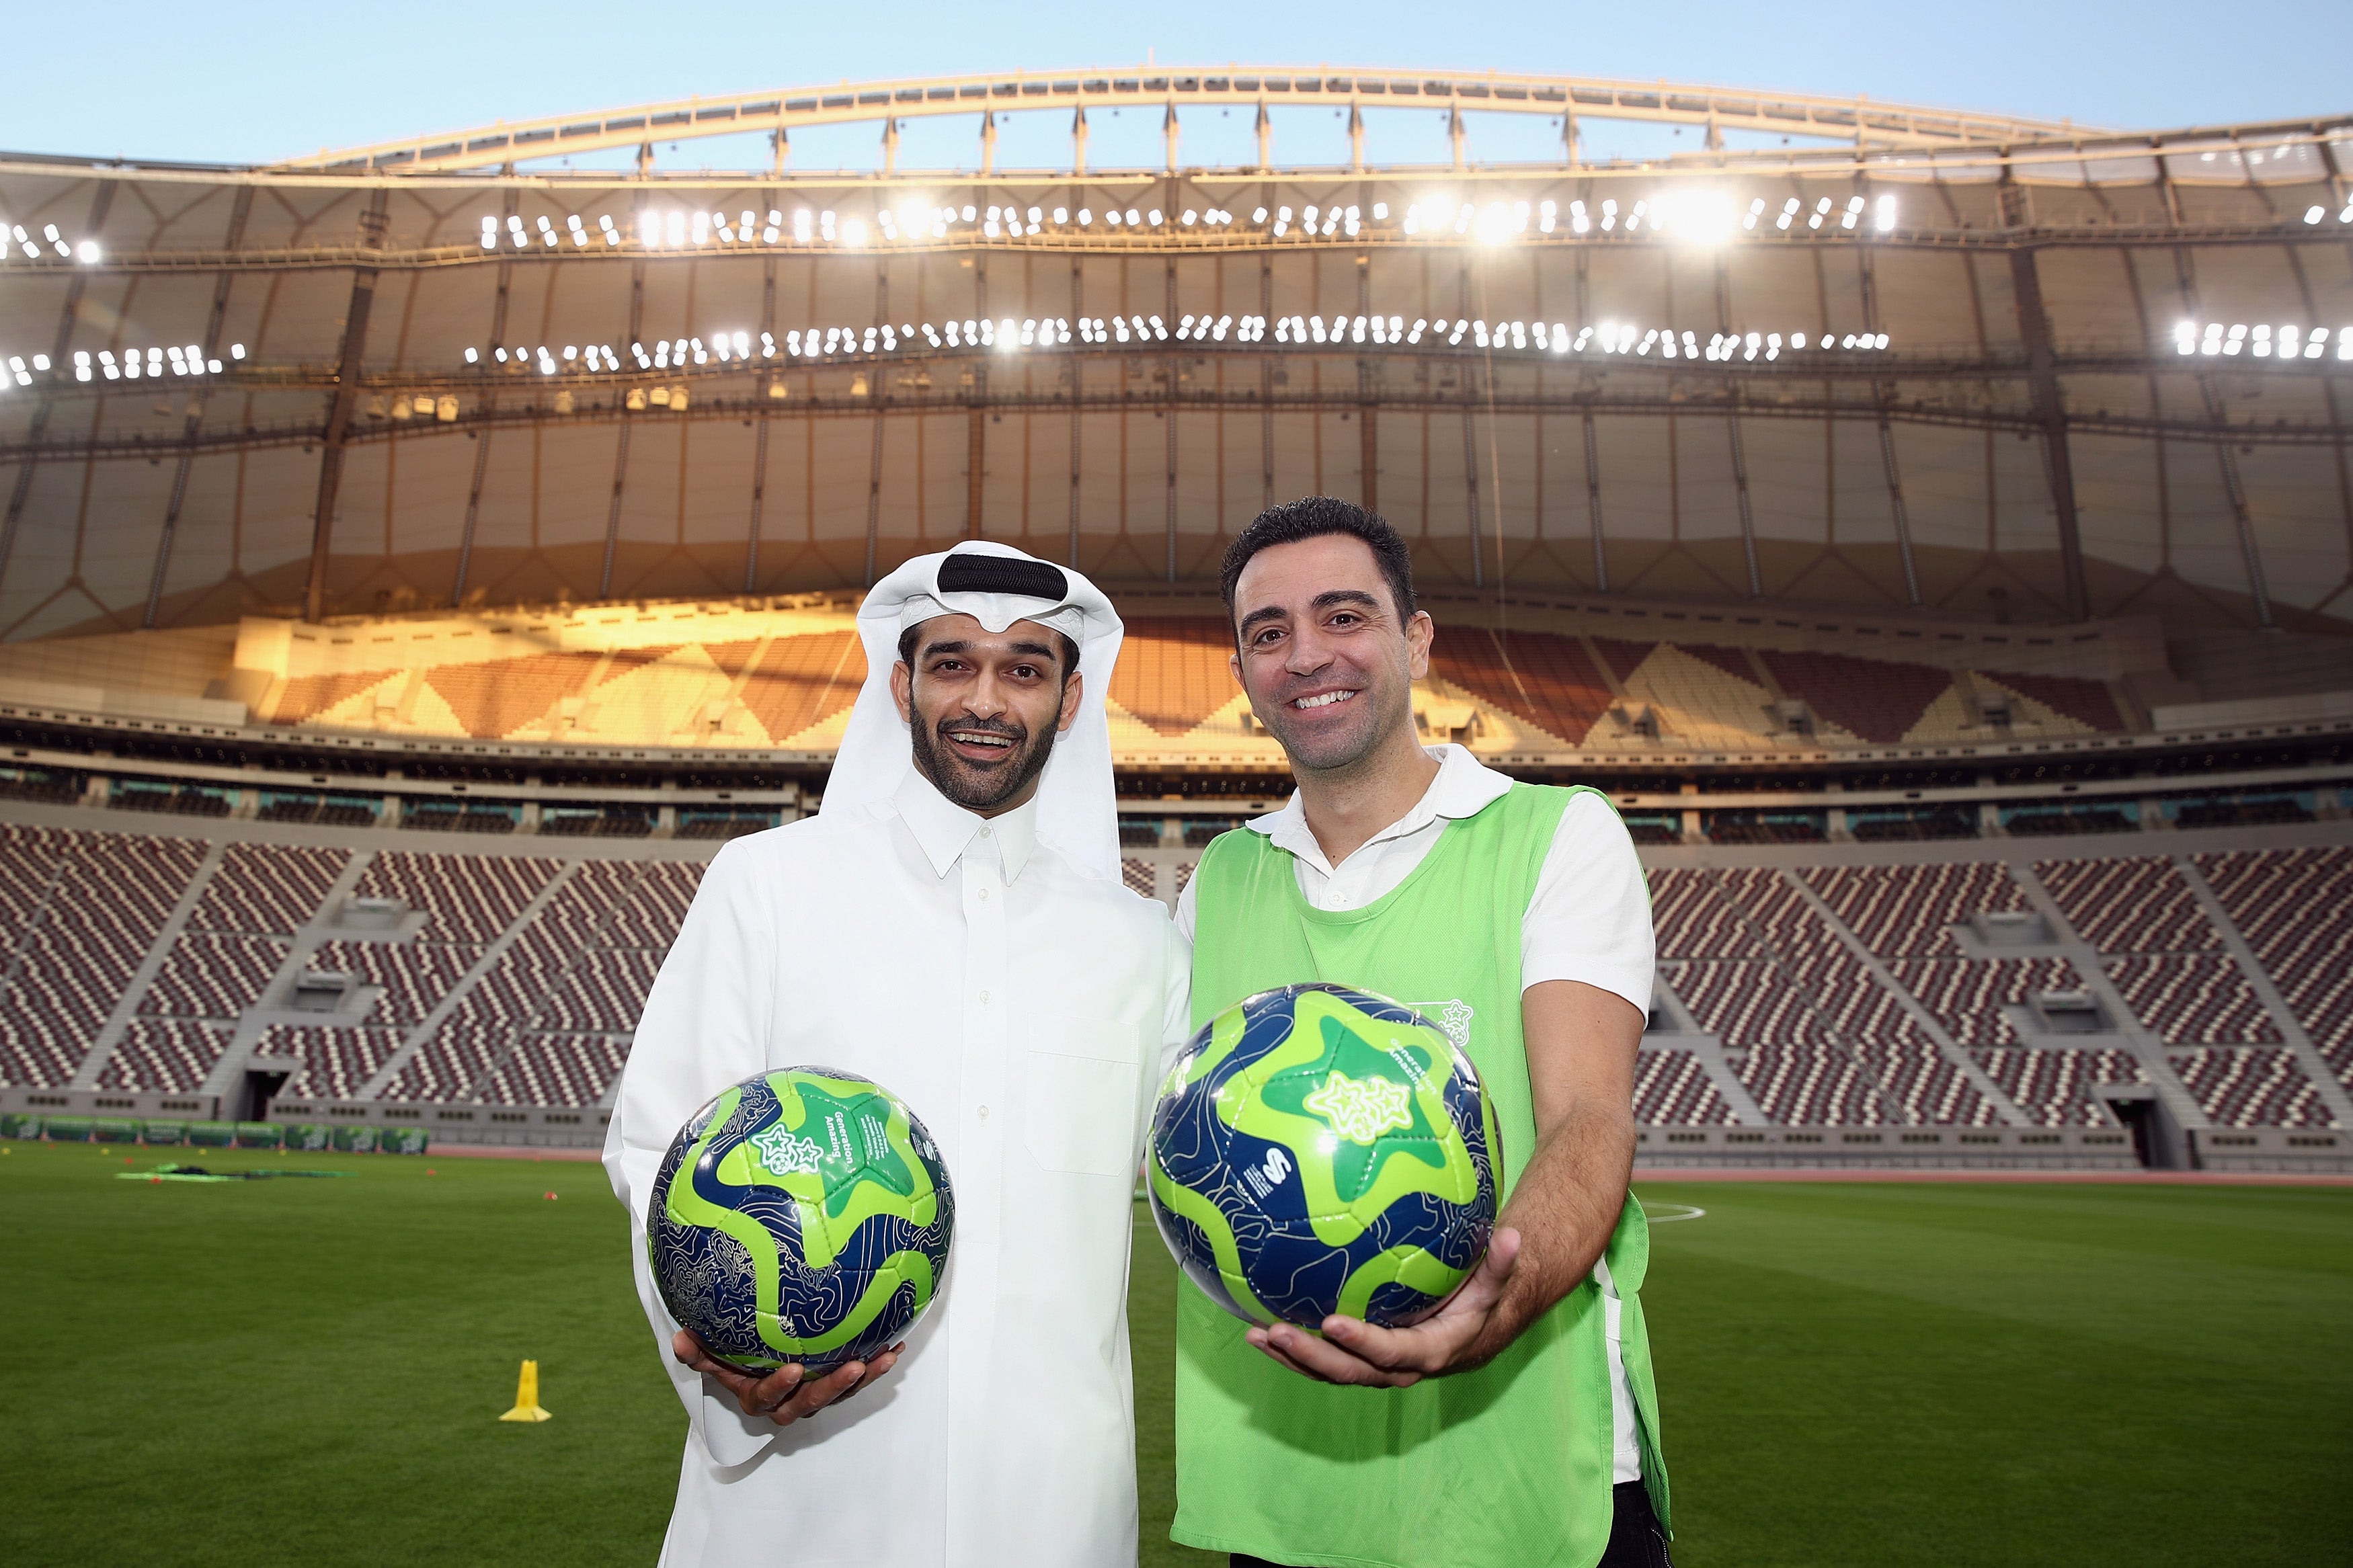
(996, 586)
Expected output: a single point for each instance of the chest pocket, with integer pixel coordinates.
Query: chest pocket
(1079, 1113)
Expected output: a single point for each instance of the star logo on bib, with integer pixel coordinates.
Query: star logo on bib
(1361, 1109)
(783, 1154)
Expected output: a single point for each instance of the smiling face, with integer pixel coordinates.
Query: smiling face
(983, 708)
(1328, 666)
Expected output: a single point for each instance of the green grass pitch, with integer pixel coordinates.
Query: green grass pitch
(1997, 1374)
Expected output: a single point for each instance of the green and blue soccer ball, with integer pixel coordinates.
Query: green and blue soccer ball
(803, 1217)
(1317, 1150)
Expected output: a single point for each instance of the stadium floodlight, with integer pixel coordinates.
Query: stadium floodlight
(1187, 218)
(1086, 216)
(2260, 341)
(1134, 217)
(1578, 222)
(1883, 214)
(1608, 216)
(1259, 215)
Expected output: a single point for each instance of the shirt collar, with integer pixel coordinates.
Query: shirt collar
(946, 831)
(1464, 786)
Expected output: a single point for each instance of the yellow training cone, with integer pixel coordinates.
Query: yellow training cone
(526, 1396)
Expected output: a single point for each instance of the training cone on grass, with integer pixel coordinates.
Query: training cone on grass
(526, 1406)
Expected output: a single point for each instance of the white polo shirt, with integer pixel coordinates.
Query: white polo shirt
(1589, 919)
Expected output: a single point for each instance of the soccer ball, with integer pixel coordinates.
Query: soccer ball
(1319, 1150)
(804, 1215)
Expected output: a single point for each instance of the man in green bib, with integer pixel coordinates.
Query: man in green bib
(1518, 1428)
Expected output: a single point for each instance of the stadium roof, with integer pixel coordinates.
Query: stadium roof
(1986, 367)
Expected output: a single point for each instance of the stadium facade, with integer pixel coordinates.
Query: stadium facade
(1935, 530)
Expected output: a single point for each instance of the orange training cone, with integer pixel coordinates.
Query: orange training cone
(526, 1404)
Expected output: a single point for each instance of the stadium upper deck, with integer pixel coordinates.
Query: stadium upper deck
(1980, 368)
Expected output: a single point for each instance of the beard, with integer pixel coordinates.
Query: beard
(1371, 715)
(981, 786)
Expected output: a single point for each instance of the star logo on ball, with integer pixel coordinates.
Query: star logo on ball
(783, 1154)
(1361, 1109)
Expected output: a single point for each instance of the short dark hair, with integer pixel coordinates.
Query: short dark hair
(1311, 517)
(1069, 650)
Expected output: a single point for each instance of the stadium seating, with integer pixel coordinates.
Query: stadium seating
(1540, 678)
(2294, 908)
(1172, 673)
(1672, 1089)
(83, 908)
(336, 1062)
(267, 889)
(170, 1055)
(516, 980)
(2129, 905)
(2251, 1088)
(2053, 1087)
(210, 975)
(2193, 1001)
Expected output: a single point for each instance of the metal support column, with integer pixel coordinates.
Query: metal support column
(880, 394)
(1367, 389)
(1266, 378)
(2051, 413)
(1747, 518)
(59, 354)
(977, 447)
(239, 210)
(1883, 394)
(483, 437)
(373, 223)
(1078, 308)
(759, 439)
(1593, 505)
(1169, 305)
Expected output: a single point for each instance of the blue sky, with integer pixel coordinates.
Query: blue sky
(267, 79)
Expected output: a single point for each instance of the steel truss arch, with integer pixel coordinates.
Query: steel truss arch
(1858, 119)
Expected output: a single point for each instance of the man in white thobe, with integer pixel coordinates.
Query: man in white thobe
(952, 924)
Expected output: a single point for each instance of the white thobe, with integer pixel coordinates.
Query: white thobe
(1017, 1004)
